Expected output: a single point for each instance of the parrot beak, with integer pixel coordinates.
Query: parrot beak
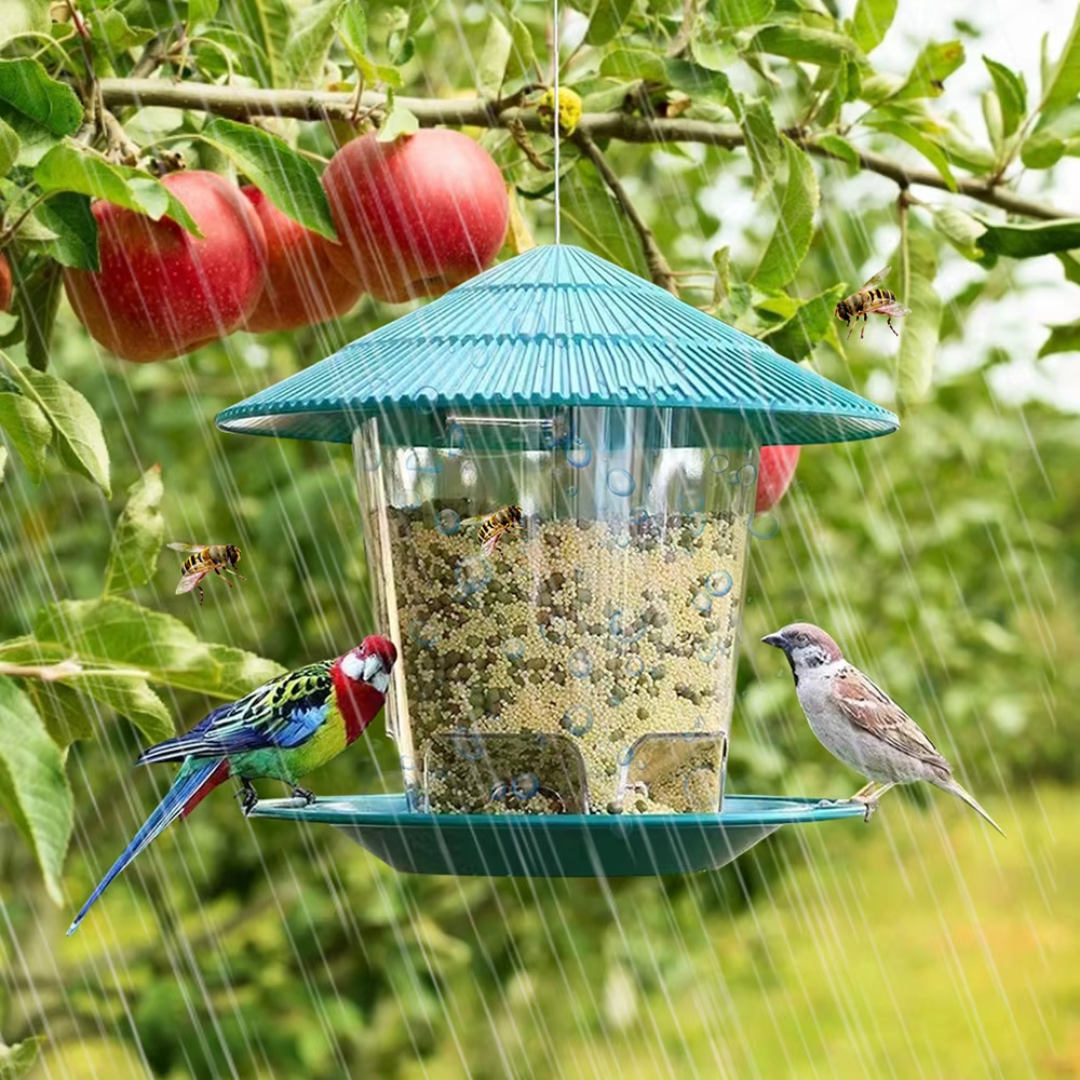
(373, 666)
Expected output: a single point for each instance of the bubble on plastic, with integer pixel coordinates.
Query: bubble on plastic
(427, 399)
(719, 464)
(414, 464)
(719, 583)
(407, 764)
(622, 539)
(467, 744)
(455, 440)
(635, 666)
(639, 515)
(580, 663)
(423, 634)
(621, 483)
(525, 786)
(555, 630)
(513, 648)
(370, 459)
(472, 574)
(448, 522)
(695, 523)
(707, 652)
(578, 453)
(702, 601)
(745, 475)
(619, 627)
(616, 698)
(764, 526)
(468, 473)
(571, 491)
(626, 756)
(578, 720)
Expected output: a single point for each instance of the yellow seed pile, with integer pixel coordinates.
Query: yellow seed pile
(595, 632)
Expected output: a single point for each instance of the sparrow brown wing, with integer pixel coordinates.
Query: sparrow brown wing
(868, 707)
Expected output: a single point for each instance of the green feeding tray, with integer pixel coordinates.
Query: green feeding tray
(563, 845)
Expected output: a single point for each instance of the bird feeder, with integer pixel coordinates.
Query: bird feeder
(563, 701)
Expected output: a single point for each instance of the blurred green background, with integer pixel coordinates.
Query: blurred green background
(945, 559)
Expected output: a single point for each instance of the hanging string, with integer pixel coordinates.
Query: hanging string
(558, 111)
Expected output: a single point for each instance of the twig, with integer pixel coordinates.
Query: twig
(686, 30)
(243, 103)
(119, 149)
(152, 56)
(67, 669)
(659, 270)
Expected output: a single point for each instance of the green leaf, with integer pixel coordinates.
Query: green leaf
(112, 34)
(33, 788)
(73, 167)
(351, 27)
(798, 42)
(1064, 337)
(606, 20)
(138, 536)
(289, 180)
(763, 144)
(739, 13)
(934, 65)
(310, 38)
(115, 631)
(37, 302)
(269, 24)
(24, 17)
(17, 1061)
(919, 340)
(494, 57)
(795, 227)
(871, 23)
(1011, 92)
(28, 430)
(797, 336)
(699, 82)
(1030, 241)
(69, 218)
(915, 139)
(840, 148)
(399, 121)
(625, 63)
(1063, 84)
(961, 230)
(10, 144)
(76, 427)
(3, 461)
(594, 214)
(523, 54)
(202, 11)
(68, 716)
(27, 88)
(1071, 265)
(1043, 150)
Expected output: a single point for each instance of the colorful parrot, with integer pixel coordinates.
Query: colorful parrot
(284, 730)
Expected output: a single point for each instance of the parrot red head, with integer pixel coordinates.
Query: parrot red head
(371, 662)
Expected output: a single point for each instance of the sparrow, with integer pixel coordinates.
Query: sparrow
(859, 723)
(284, 730)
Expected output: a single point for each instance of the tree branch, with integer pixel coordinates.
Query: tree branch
(242, 103)
(659, 270)
(67, 669)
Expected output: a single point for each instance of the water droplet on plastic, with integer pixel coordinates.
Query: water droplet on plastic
(370, 459)
(639, 515)
(448, 521)
(707, 651)
(472, 574)
(427, 398)
(718, 583)
(571, 491)
(467, 745)
(764, 526)
(413, 463)
(580, 663)
(513, 648)
(525, 786)
(620, 624)
(468, 473)
(702, 601)
(635, 666)
(746, 475)
(578, 720)
(455, 440)
(620, 483)
(578, 453)
(719, 464)
(407, 764)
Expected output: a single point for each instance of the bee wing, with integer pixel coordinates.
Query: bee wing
(488, 546)
(189, 581)
(179, 545)
(877, 279)
(893, 310)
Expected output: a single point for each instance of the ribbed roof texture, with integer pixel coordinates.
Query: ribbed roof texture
(559, 326)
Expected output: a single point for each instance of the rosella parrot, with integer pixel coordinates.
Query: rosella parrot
(284, 730)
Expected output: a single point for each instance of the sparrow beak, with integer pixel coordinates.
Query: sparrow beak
(775, 640)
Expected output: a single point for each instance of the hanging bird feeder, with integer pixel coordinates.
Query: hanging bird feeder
(563, 700)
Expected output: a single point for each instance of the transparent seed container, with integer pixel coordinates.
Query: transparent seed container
(587, 664)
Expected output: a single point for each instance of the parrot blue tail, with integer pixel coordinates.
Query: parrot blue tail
(194, 781)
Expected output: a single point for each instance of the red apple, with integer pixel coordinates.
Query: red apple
(775, 471)
(5, 284)
(162, 292)
(415, 216)
(303, 286)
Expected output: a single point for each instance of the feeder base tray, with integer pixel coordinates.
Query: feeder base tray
(563, 845)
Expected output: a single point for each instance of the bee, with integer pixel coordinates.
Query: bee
(871, 299)
(492, 528)
(206, 559)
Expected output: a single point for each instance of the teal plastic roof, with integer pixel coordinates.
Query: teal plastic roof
(557, 326)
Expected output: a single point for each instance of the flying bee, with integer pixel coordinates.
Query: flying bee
(206, 559)
(494, 526)
(871, 299)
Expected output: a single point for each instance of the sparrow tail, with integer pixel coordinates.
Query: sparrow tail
(953, 788)
(193, 783)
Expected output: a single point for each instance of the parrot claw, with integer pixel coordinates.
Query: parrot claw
(302, 793)
(247, 795)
